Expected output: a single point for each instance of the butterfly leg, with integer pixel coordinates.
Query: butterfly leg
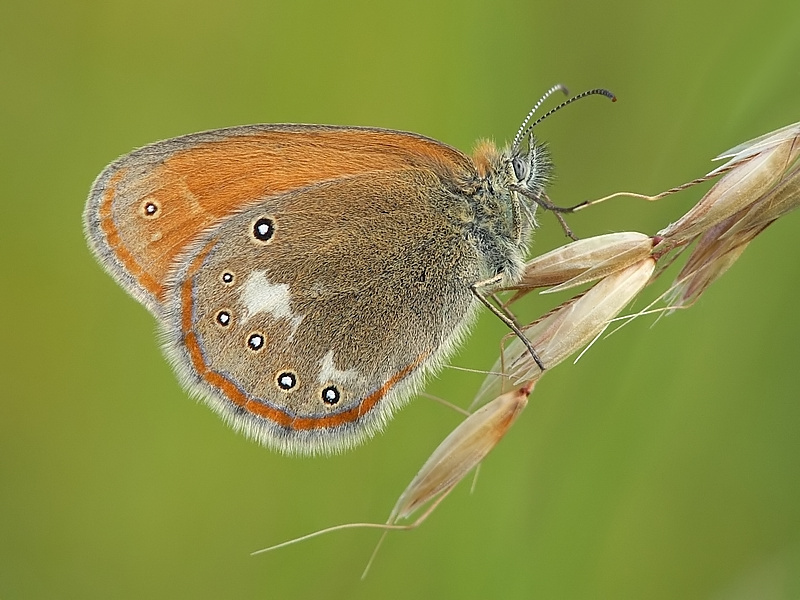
(477, 289)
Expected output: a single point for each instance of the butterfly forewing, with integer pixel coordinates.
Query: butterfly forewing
(148, 206)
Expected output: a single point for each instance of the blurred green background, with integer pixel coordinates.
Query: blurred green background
(665, 464)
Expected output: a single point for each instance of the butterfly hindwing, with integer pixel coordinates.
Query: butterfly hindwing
(309, 317)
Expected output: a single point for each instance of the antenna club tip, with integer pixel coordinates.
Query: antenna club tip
(608, 94)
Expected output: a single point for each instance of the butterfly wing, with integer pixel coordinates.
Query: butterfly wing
(146, 207)
(308, 318)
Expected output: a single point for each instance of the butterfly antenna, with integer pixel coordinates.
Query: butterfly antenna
(521, 131)
(594, 92)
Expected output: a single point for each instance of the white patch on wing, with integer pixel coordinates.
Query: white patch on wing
(259, 295)
(329, 372)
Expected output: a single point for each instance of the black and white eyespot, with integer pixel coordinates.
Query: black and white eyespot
(263, 230)
(331, 395)
(286, 380)
(255, 341)
(223, 318)
(150, 209)
(227, 277)
(521, 168)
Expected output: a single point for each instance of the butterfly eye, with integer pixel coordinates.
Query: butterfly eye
(520, 168)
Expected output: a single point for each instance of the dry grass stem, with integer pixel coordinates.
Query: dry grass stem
(583, 261)
(461, 451)
(736, 190)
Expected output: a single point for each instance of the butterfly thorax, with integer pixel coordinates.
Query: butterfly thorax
(504, 213)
